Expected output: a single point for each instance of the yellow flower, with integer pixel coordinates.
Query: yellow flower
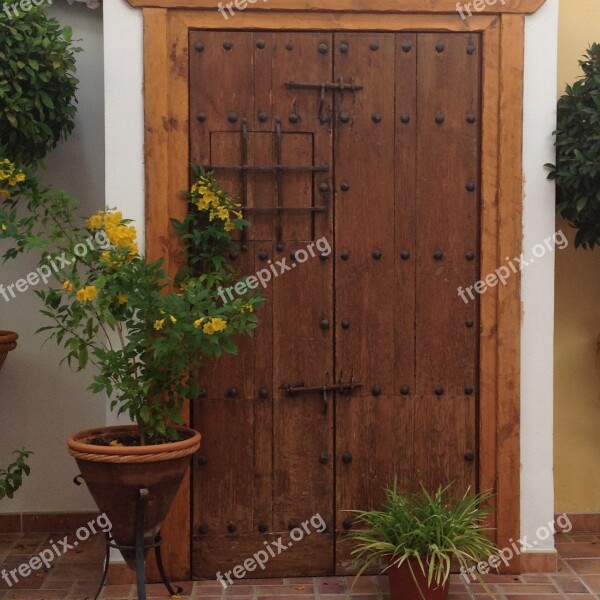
(203, 203)
(112, 220)
(223, 213)
(87, 293)
(68, 286)
(229, 226)
(96, 221)
(121, 236)
(238, 214)
(199, 322)
(173, 319)
(122, 298)
(214, 325)
(3, 227)
(248, 308)
(159, 324)
(115, 443)
(10, 176)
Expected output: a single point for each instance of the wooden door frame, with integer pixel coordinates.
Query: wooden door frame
(502, 26)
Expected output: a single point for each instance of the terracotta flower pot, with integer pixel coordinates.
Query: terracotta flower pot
(404, 587)
(114, 474)
(8, 342)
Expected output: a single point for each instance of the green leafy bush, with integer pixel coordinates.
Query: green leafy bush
(11, 478)
(577, 169)
(37, 85)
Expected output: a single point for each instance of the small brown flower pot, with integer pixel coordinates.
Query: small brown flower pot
(114, 474)
(8, 342)
(403, 586)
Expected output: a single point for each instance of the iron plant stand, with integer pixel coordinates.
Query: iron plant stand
(140, 549)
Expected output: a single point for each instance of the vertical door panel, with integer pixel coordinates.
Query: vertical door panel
(271, 443)
(374, 424)
(447, 211)
(447, 224)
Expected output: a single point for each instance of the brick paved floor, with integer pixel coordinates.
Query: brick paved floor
(75, 575)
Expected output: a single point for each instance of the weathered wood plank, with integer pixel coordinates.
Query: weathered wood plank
(510, 203)
(392, 6)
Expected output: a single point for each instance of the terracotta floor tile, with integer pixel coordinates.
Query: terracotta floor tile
(207, 593)
(583, 550)
(534, 578)
(494, 578)
(333, 585)
(58, 584)
(527, 588)
(158, 589)
(35, 595)
(239, 590)
(363, 585)
(569, 584)
(585, 565)
(273, 581)
(534, 597)
(299, 589)
(275, 597)
(592, 581)
(117, 591)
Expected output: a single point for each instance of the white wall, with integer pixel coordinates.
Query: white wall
(40, 402)
(537, 482)
(124, 105)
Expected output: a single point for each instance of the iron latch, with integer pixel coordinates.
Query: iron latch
(325, 86)
(345, 388)
(340, 86)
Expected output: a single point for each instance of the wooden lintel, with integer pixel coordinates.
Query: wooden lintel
(361, 6)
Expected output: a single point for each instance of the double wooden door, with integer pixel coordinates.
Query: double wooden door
(357, 159)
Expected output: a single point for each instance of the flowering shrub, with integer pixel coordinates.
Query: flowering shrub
(112, 308)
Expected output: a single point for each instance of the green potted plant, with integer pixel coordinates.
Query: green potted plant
(37, 83)
(414, 538)
(111, 308)
(577, 169)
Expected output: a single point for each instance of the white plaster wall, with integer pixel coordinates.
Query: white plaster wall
(125, 186)
(40, 402)
(124, 106)
(537, 482)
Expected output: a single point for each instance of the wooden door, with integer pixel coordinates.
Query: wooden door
(356, 156)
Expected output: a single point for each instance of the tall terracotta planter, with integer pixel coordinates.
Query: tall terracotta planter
(403, 586)
(8, 342)
(115, 474)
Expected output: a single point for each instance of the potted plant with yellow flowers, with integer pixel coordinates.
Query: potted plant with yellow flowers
(146, 336)
(11, 179)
